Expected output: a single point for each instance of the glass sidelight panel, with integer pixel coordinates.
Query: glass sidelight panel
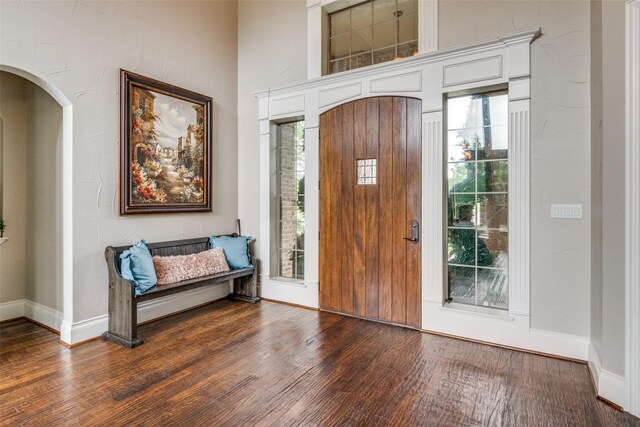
(477, 199)
(290, 186)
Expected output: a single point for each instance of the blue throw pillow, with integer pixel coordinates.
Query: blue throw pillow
(136, 265)
(236, 250)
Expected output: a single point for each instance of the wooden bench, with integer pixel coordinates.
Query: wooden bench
(123, 303)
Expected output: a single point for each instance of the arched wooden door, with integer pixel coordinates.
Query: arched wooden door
(370, 208)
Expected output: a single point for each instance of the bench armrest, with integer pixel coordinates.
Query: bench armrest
(113, 267)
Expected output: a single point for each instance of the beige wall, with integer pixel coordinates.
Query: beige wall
(560, 149)
(79, 47)
(44, 220)
(613, 205)
(32, 256)
(272, 51)
(596, 175)
(13, 109)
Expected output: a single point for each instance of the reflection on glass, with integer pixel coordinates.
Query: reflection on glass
(372, 32)
(361, 41)
(462, 210)
(339, 65)
(493, 211)
(462, 246)
(493, 288)
(492, 249)
(361, 60)
(408, 27)
(462, 177)
(339, 23)
(493, 177)
(407, 49)
(477, 200)
(340, 46)
(384, 55)
(462, 284)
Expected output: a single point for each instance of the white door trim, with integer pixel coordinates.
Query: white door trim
(632, 220)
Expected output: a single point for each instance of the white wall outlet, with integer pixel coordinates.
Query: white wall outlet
(566, 211)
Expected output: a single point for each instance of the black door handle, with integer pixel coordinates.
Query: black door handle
(415, 232)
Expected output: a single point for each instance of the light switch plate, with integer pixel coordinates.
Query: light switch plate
(566, 211)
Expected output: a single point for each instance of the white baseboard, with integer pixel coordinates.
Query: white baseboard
(43, 314)
(509, 329)
(11, 310)
(91, 328)
(32, 310)
(608, 385)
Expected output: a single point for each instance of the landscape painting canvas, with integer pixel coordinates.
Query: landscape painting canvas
(165, 147)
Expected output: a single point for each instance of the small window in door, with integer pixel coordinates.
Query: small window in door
(366, 171)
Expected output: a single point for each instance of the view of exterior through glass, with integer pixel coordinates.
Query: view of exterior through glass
(477, 199)
(290, 171)
(372, 32)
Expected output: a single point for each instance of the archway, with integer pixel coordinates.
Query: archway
(66, 172)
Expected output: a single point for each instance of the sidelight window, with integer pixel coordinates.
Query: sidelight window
(290, 174)
(477, 161)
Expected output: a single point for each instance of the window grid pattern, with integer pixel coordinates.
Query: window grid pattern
(477, 200)
(366, 171)
(372, 32)
(290, 195)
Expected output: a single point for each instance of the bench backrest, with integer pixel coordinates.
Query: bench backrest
(175, 247)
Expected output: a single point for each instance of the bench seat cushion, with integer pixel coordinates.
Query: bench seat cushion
(174, 269)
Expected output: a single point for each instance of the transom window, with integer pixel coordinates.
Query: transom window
(290, 174)
(372, 32)
(477, 199)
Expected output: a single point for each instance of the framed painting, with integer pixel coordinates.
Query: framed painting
(165, 147)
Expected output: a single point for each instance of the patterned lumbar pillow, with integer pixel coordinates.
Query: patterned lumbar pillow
(173, 269)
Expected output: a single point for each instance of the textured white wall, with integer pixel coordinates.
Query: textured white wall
(79, 47)
(560, 149)
(272, 51)
(13, 109)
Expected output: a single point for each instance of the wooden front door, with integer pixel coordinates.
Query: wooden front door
(370, 200)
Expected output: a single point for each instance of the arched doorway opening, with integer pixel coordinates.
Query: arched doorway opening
(37, 173)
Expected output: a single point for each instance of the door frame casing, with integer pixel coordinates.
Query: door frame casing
(632, 208)
(428, 77)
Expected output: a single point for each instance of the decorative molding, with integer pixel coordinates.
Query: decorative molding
(405, 82)
(428, 26)
(472, 71)
(287, 105)
(608, 385)
(432, 209)
(338, 94)
(481, 47)
(519, 207)
(85, 330)
(632, 208)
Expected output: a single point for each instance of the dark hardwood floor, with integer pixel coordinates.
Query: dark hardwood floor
(239, 364)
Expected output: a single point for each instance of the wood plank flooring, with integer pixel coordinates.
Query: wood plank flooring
(237, 364)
